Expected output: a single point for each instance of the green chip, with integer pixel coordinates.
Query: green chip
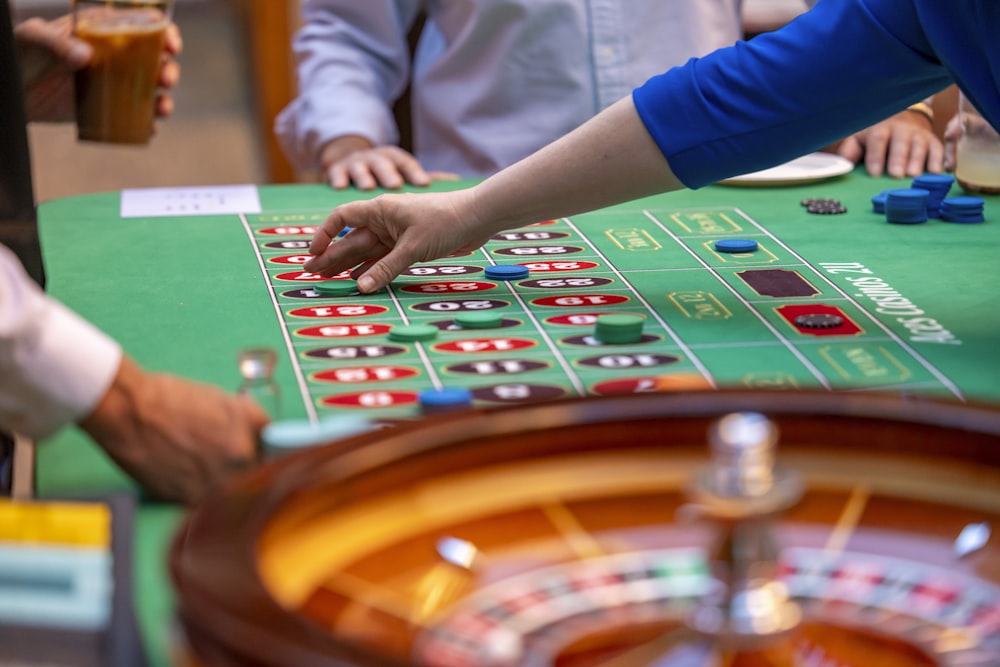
(479, 319)
(619, 329)
(337, 287)
(413, 332)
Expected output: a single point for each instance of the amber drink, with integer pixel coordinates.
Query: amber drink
(977, 153)
(116, 93)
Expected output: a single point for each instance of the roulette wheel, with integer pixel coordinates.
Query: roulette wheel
(695, 529)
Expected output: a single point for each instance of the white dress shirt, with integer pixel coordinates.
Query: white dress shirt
(54, 365)
(492, 80)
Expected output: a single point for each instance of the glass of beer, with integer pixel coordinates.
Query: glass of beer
(115, 93)
(977, 152)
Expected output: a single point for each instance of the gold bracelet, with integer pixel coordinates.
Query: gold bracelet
(923, 109)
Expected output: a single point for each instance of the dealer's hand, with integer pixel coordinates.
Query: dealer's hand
(391, 232)
(175, 437)
(49, 55)
(353, 159)
(904, 146)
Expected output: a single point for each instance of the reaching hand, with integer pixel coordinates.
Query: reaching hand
(903, 145)
(175, 437)
(392, 232)
(49, 55)
(353, 159)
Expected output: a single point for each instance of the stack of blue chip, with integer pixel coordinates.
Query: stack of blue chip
(906, 207)
(878, 202)
(963, 209)
(937, 186)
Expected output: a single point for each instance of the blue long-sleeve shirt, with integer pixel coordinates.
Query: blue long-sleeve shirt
(832, 71)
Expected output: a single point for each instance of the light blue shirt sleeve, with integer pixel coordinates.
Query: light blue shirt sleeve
(492, 80)
(353, 63)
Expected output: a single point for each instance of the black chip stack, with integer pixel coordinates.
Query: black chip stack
(824, 206)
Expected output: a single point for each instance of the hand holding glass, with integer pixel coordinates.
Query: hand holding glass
(115, 93)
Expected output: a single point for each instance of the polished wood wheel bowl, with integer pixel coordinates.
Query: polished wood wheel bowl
(563, 533)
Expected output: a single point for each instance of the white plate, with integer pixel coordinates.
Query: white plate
(805, 169)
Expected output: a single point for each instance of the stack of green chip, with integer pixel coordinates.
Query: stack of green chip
(619, 329)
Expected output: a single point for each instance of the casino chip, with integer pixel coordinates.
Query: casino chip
(444, 399)
(478, 319)
(818, 321)
(619, 329)
(824, 206)
(736, 245)
(336, 287)
(506, 271)
(411, 333)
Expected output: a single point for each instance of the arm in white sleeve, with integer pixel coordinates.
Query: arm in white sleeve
(54, 365)
(353, 62)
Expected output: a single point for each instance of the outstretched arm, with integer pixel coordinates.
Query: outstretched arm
(608, 160)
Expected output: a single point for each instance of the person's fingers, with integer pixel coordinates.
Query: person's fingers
(918, 157)
(174, 43)
(361, 175)
(55, 38)
(381, 272)
(411, 169)
(328, 230)
(170, 74)
(851, 149)
(444, 176)
(383, 167)
(337, 176)
(164, 106)
(876, 146)
(934, 162)
(901, 147)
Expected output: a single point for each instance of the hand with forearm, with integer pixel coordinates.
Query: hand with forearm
(177, 438)
(612, 158)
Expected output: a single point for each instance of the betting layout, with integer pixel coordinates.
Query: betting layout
(723, 301)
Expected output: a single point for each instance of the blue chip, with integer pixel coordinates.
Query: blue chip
(345, 231)
(444, 399)
(878, 201)
(288, 435)
(736, 245)
(506, 272)
(963, 203)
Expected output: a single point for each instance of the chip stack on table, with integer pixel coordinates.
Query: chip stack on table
(906, 206)
(937, 187)
(824, 206)
(878, 202)
(963, 209)
(618, 329)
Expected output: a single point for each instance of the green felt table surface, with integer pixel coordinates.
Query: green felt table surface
(185, 294)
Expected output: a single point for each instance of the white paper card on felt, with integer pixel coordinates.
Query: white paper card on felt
(170, 202)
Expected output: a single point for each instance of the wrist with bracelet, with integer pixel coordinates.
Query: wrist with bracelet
(924, 109)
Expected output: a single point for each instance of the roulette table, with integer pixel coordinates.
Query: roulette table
(912, 316)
